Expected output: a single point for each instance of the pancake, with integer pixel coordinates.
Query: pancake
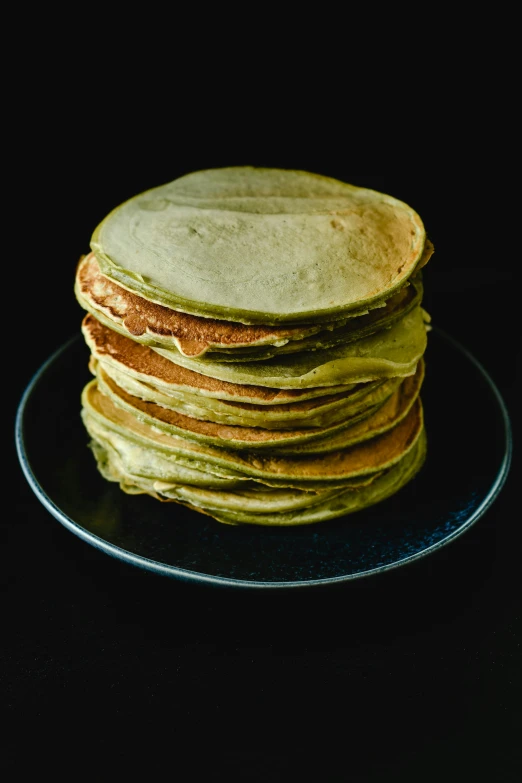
(353, 330)
(320, 412)
(261, 246)
(341, 505)
(256, 438)
(270, 467)
(141, 453)
(128, 365)
(130, 459)
(108, 346)
(194, 336)
(112, 465)
(391, 352)
(155, 324)
(138, 458)
(281, 507)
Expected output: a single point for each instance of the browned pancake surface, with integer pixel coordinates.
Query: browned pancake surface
(371, 455)
(193, 334)
(142, 359)
(246, 435)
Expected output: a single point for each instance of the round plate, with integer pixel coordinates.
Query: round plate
(459, 480)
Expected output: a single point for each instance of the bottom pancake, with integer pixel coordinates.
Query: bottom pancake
(274, 507)
(244, 488)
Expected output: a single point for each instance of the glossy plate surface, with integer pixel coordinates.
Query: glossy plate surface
(462, 476)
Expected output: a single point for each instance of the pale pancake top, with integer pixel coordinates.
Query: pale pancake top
(193, 335)
(261, 245)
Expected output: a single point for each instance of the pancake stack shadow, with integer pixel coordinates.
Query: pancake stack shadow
(257, 343)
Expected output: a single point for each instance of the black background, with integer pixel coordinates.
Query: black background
(414, 675)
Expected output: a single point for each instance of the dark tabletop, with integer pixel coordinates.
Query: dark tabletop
(411, 675)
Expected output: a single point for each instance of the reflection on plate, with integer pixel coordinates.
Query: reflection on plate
(460, 479)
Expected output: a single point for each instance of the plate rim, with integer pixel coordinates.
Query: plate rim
(186, 575)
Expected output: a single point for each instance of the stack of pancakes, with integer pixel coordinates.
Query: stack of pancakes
(257, 340)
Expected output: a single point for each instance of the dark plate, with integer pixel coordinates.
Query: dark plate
(463, 474)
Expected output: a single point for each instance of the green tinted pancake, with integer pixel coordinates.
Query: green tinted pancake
(140, 361)
(341, 505)
(319, 412)
(151, 323)
(334, 335)
(135, 460)
(261, 245)
(361, 457)
(388, 353)
(323, 412)
(275, 507)
(223, 435)
(129, 459)
(255, 499)
(155, 325)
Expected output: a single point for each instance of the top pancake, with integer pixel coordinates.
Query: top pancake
(261, 245)
(193, 336)
(155, 324)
